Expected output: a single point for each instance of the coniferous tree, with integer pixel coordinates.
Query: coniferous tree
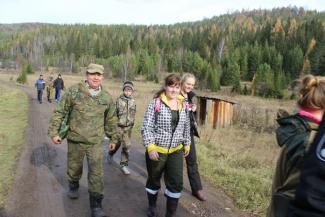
(213, 79)
(22, 78)
(317, 59)
(294, 62)
(289, 40)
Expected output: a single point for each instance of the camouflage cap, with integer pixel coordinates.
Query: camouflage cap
(95, 68)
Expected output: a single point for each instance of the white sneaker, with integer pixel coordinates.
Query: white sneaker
(125, 170)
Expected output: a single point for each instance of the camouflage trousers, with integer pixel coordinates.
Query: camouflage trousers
(49, 93)
(125, 142)
(94, 155)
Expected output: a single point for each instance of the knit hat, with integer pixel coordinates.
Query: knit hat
(128, 84)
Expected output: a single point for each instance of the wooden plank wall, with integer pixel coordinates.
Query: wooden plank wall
(209, 113)
(219, 113)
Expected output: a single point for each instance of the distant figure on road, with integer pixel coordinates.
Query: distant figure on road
(49, 88)
(125, 111)
(40, 86)
(166, 136)
(188, 82)
(58, 86)
(91, 114)
(294, 136)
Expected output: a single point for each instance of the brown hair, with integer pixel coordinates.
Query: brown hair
(170, 80)
(312, 92)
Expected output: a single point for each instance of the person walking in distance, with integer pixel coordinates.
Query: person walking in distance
(49, 88)
(91, 114)
(125, 111)
(166, 136)
(58, 86)
(188, 82)
(40, 86)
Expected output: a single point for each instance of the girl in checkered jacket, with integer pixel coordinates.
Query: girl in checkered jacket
(166, 136)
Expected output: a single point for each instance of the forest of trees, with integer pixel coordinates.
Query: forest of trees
(268, 48)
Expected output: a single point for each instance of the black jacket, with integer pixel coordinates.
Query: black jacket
(194, 130)
(294, 136)
(58, 83)
(310, 193)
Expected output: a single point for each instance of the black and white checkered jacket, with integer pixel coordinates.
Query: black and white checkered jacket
(159, 132)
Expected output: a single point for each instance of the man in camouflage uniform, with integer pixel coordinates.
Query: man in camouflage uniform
(91, 113)
(49, 88)
(125, 110)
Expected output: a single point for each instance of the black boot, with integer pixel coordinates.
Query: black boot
(171, 206)
(152, 209)
(73, 190)
(95, 200)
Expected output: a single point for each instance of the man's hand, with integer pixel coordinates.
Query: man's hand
(111, 146)
(56, 140)
(153, 155)
(186, 152)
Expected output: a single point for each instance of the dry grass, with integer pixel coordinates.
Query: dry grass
(239, 159)
(13, 116)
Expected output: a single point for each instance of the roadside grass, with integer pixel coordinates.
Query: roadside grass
(238, 159)
(13, 116)
(241, 162)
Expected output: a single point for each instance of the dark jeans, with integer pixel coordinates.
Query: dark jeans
(192, 169)
(172, 167)
(39, 95)
(57, 94)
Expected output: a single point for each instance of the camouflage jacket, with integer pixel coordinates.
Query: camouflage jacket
(89, 117)
(125, 110)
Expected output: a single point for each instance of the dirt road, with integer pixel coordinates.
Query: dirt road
(40, 186)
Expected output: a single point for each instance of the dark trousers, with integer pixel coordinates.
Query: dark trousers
(39, 95)
(192, 169)
(172, 167)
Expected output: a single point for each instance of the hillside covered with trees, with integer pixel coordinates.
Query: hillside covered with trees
(269, 48)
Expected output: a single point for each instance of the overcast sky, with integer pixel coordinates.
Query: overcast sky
(133, 11)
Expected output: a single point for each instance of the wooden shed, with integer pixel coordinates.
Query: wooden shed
(215, 111)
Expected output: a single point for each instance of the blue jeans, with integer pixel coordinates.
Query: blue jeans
(58, 94)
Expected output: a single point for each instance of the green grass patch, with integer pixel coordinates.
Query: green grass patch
(13, 116)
